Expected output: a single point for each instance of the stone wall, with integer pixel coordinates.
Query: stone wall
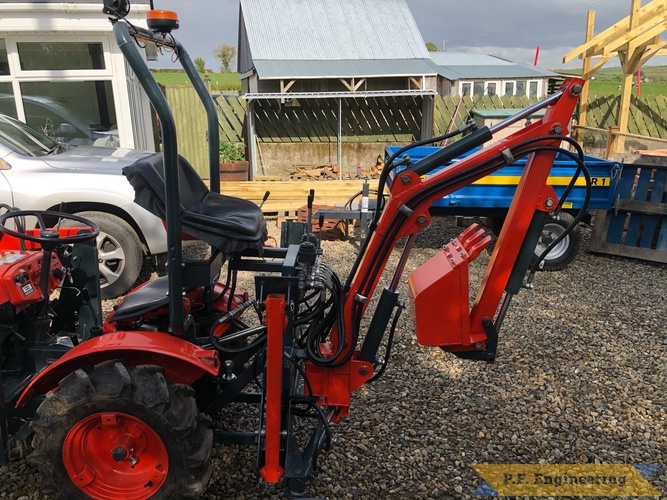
(283, 158)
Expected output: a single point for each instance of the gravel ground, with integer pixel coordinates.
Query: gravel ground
(580, 378)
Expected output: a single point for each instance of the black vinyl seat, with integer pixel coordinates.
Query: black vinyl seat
(225, 222)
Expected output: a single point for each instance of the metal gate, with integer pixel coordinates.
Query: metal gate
(636, 226)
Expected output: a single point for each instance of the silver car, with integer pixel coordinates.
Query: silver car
(38, 173)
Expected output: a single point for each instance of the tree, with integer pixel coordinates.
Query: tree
(225, 53)
(431, 47)
(200, 64)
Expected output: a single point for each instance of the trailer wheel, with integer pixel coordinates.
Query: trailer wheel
(565, 251)
(111, 432)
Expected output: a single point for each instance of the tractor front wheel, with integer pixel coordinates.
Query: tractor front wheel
(111, 431)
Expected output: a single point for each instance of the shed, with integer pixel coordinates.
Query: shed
(347, 52)
(61, 72)
(470, 74)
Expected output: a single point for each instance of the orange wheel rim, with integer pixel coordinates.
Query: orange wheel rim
(115, 455)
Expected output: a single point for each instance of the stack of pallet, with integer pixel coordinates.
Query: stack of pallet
(288, 196)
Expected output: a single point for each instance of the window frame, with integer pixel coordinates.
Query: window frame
(18, 76)
(47, 75)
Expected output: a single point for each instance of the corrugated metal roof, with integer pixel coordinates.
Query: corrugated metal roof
(486, 72)
(343, 68)
(68, 1)
(467, 59)
(307, 30)
(464, 65)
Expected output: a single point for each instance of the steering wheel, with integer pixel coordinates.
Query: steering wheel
(47, 236)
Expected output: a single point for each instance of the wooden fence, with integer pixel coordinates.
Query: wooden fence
(383, 120)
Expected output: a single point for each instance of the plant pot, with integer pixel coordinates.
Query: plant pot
(235, 171)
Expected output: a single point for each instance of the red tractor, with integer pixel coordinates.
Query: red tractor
(121, 407)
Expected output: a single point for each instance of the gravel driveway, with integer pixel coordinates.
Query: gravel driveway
(579, 378)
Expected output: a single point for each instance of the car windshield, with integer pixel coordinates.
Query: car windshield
(23, 139)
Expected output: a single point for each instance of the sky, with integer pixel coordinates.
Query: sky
(511, 29)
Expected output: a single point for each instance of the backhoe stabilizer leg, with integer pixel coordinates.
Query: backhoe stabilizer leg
(275, 324)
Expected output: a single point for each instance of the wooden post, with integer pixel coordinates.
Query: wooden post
(428, 104)
(583, 98)
(251, 152)
(612, 141)
(628, 60)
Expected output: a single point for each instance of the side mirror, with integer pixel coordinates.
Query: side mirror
(66, 130)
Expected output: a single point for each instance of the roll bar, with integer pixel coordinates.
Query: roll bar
(126, 37)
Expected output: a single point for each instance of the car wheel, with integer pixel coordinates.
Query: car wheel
(119, 253)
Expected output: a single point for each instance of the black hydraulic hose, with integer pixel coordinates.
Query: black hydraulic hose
(390, 341)
(486, 167)
(321, 416)
(382, 181)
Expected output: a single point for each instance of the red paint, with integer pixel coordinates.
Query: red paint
(9, 242)
(88, 459)
(531, 192)
(441, 322)
(275, 326)
(537, 55)
(182, 361)
(334, 385)
(20, 277)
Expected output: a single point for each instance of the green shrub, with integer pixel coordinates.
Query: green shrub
(231, 152)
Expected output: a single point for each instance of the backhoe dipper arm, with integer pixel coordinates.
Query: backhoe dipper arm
(406, 212)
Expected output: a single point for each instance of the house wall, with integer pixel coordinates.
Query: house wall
(98, 94)
(454, 87)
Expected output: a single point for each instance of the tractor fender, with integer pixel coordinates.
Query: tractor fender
(182, 361)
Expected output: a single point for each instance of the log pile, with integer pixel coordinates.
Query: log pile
(322, 172)
(372, 173)
(332, 172)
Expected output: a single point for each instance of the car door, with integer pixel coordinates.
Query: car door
(6, 195)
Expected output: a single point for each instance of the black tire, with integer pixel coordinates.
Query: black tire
(566, 250)
(563, 253)
(119, 252)
(166, 413)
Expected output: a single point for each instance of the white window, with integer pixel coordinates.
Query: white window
(60, 85)
(533, 88)
(520, 88)
(465, 89)
(509, 88)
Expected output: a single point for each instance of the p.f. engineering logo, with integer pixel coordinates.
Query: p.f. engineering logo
(566, 480)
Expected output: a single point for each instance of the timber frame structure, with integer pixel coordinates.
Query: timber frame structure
(634, 39)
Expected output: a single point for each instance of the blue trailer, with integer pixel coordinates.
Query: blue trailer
(491, 196)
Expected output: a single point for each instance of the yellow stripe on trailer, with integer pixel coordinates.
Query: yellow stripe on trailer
(495, 180)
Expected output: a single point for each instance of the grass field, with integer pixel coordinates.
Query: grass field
(224, 82)
(607, 81)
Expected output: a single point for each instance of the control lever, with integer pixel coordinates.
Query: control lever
(320, 223)
(311, 197)
(266, 197)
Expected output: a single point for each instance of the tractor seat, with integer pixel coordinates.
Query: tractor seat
(227, 223)
(144, 299)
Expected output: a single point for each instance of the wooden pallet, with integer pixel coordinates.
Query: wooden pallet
(637, 224)
(288, 196)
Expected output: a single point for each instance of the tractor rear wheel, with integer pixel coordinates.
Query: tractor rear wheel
(111, 431)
